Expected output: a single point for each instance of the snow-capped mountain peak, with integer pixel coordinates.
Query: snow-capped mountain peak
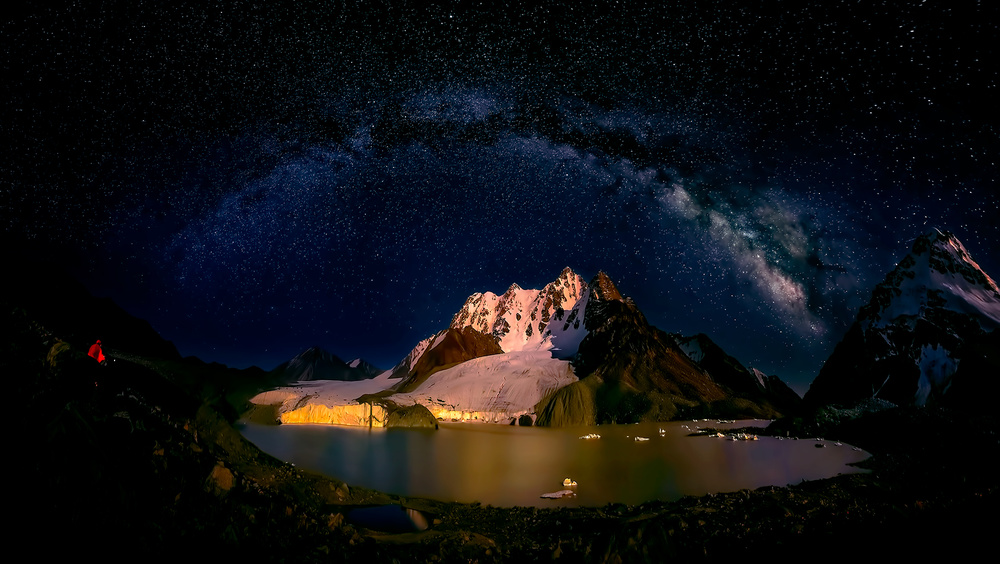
(936, 312)
(521, 319)
(513, 290)
(937, 273)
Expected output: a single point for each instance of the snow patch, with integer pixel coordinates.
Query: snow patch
(563, 336)
(493, 388)
(936, 369)
(691, 347)
(321, 392)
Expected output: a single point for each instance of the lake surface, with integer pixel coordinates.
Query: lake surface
(506, 466)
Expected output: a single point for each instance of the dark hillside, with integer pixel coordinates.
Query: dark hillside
(65, 308)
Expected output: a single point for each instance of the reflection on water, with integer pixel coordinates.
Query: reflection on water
(506, 466)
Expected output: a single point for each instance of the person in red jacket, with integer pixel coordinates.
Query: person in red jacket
(96, 352)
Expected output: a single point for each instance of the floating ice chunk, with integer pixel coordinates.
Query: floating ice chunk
(559, 494)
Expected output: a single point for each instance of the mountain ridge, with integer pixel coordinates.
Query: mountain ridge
(573, 352)
(629, 369)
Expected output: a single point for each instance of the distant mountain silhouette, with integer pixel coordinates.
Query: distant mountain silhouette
(317, 364)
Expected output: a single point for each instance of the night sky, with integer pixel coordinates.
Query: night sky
(255, 179)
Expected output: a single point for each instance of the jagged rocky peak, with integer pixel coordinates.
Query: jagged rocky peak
(475, 312)
(604, 288)
(560, 294)
(605, 300)
(566, 277)
(512, 291)
(520, 319)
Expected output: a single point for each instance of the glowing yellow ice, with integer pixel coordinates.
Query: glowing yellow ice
(354, 414)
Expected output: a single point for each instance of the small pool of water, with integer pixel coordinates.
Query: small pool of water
(506, 466)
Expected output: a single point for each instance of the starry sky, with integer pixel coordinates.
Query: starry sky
(255, 178)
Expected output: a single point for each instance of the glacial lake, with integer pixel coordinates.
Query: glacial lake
(504, 466)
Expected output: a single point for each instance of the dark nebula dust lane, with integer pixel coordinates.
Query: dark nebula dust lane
(255, 179)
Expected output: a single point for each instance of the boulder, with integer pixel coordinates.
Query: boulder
(411, 416)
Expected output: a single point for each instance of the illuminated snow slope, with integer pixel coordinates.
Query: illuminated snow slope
(490, 389)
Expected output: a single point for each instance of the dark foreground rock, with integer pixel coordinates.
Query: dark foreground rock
(139, 467)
